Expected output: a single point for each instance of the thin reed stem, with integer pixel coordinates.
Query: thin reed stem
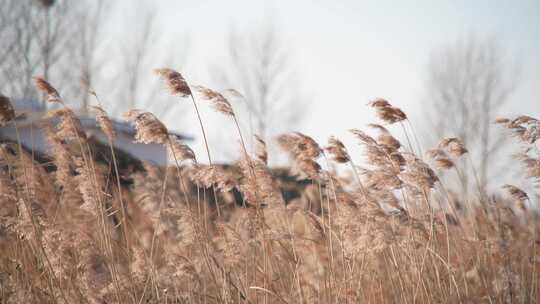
(207, 149)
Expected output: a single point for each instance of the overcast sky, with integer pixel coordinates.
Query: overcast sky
(348, 52)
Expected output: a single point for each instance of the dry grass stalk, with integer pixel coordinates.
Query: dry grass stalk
(294, 246)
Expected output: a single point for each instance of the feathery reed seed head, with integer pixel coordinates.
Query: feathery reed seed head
(46, 88)
(516, 193)
(175, 82)
(70, 127)
(337, 150)
(150, 130)
(219, 102)
(454, 146)
(387, 112)
(181, 151)
(105, 123)
(303, 150)
(260, 150)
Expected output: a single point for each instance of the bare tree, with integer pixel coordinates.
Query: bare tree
(142, 52)
(260, 67)
(90, 59)
(469, 82)
(54, 39)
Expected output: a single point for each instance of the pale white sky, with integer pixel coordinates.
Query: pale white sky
(349, 52)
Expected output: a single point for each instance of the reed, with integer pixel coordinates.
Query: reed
(72, 232)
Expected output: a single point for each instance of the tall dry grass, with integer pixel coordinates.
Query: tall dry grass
(73, 230)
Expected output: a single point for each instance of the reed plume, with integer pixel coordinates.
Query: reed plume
(303, 150)
(219, 102)
(46, 88)
(454, 146)
(175, 82)
(150, 130)
(386, 112)
(516, 193)
(181, 151)
(260, 150)
(337, 150)
(69, 127)
(105, 123)
(285, 235)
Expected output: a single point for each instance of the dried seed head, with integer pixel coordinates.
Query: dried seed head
(379, 103)
(442, 161)
(70, 127)
(383, 154)
(175, 82)
(299, 145)
(303, 150)
(532, 133)
(526, 128)
(524, 119)
(219, 102)
(379, 180)
(45, 87)
(363, 137)
(181, 151)
(417, 173)
(502, 120)
(149, 129)
(209, 175)
(385, 139)
(234, 93)
(532, 164)
(306, 168)
(387, 112)
(454, 146)
(260, 150)
(434, 153)
(6, 110)
(62, 156)
(516, 193)
(337, 150)
(105, 123)
(257, 185)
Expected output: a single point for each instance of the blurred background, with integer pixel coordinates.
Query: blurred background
(310, 66)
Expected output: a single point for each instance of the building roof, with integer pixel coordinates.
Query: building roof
(31, 111)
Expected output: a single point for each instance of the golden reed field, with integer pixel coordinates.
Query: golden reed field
(78, 229)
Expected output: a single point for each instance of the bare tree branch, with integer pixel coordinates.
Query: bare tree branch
(469, 82)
